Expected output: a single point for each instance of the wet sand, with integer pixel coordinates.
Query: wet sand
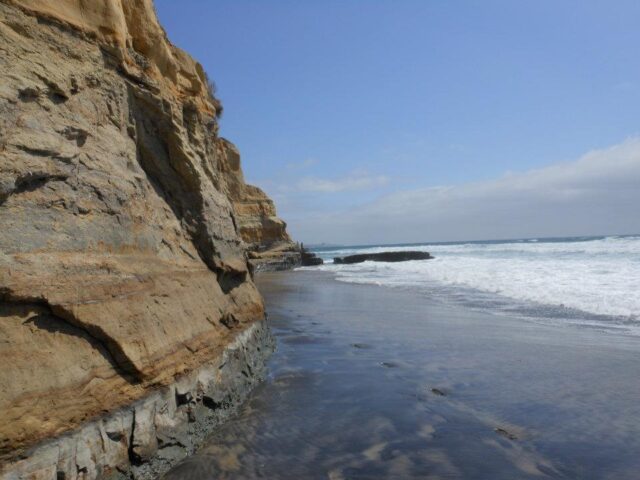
(374, 382)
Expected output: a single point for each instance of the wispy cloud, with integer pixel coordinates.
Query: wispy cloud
(302, 165)
(351, 182)
(597, 194)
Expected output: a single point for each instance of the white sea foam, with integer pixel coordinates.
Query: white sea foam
(598, 276)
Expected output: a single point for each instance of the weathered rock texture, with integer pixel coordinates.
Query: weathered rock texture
(255, 213)
(144, 439)
(122, 264)
(269, 244)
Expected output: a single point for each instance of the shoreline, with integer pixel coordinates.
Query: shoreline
(374, 382)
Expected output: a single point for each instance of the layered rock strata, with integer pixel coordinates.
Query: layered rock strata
(255, 213)
(123, 269)
(269, 244)
(145, 439)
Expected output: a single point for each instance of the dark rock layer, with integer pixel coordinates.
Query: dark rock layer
(309, 259)
(146, 438)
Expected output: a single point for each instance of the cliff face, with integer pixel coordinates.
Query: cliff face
(255, 213)
(122, 214)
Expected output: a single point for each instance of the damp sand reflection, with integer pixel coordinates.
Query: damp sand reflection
(375, 383)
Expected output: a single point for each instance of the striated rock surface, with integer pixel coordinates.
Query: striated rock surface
(124, 217)
(144, 439)
(255, 213)
(269, 244)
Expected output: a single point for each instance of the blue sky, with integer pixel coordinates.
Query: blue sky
(339, 107)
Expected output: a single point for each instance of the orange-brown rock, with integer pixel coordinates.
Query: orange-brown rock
(129, 30)
(121, 232)
(255, 212)
(269, 244)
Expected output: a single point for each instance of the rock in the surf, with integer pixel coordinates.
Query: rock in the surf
(384, 257)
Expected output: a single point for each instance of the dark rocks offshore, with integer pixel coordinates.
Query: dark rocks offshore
(384, 257)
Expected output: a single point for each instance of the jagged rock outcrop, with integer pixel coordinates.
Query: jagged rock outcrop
(309, 259)
(269, 244)
(255, 213)
(122, 263)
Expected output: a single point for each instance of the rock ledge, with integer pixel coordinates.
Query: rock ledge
(143, 440)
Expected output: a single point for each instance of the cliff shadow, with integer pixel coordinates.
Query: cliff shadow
(53, 324)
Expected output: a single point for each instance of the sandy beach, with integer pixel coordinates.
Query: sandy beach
(375, 382)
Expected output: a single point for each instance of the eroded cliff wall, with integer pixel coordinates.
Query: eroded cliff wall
(255, 212)
(122, 216)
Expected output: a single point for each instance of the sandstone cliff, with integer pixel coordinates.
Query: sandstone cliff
(269, 244)
(122, 217)
(255, 213)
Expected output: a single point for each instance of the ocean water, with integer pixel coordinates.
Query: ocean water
(591, 282)
(372, 382)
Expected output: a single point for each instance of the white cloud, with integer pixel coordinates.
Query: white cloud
(596, 194)
(303, 165)
(353, 181)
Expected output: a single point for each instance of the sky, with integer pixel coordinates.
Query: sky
(397, 121)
